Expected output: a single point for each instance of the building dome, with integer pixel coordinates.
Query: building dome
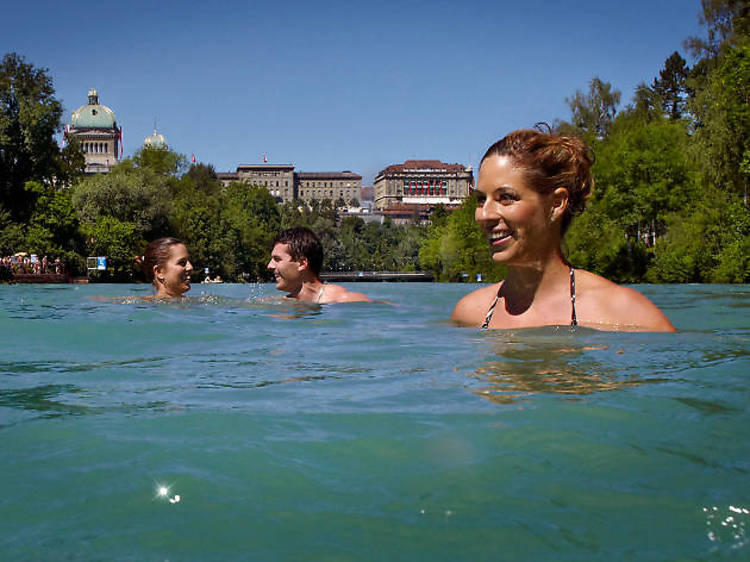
(93, 115)
(155, 141)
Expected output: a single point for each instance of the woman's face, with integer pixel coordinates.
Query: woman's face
(516, 219)
(173, 277)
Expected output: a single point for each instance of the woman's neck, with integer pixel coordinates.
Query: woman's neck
(527, 282)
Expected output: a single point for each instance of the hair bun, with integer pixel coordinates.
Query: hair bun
(550, 161)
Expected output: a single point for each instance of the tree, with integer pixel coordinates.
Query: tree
(721, 106)
(708, 244)
(134, 195)
(647, 104)
(252, 216)
(593, 113)
(29, 118)
(725, 21)
(117, 240)
(162, 162)
(671, 85)
(53, 225)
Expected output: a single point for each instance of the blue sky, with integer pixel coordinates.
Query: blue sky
(341, 85)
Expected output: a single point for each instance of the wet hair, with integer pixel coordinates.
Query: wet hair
(550, 161)
(156, 254)
(303, 243)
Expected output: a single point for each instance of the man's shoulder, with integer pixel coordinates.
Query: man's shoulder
(337, 293)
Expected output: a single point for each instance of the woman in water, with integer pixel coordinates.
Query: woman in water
(530, 186)
(166, 263)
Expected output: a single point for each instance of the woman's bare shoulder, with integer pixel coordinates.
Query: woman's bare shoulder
(472, 308)
(606, 303)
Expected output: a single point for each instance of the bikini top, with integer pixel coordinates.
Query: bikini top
(573, 319)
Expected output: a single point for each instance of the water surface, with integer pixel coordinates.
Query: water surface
(367, 431)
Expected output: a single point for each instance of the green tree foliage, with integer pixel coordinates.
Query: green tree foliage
(132, 201)
(116, 239)
(162, 162)
(593, 113)
(29, 118)
(129, 193)
(643, 172)
(668, 204)
(253, 216)
(53, 225)
(726, 21)
(721, 106)
(709, 244)
(671, 86)
(647, 104)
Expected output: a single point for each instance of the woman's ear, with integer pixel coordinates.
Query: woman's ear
(560, 199)
(157, 274)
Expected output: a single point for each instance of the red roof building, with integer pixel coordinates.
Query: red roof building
(422, 183)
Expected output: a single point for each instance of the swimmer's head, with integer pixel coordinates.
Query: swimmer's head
(303, 243)
(166, 264)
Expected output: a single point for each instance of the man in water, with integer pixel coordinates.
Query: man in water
(296, 259)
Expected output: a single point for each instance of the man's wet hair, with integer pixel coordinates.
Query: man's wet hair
(303, 243)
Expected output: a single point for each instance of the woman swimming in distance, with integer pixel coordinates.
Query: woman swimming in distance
(530, 186)
(166, 264)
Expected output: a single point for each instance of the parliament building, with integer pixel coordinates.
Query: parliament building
(95, 128)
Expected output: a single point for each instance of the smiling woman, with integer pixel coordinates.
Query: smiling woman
(166, 263)
(530, 186)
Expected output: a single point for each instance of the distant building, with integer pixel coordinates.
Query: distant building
(95, 128)
(409, 214)
(227, 177)
(285, 184)
(344, 185)
(155, 141)
(277, 178)
(368, 193)
(422, 183)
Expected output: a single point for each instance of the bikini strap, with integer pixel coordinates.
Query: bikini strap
(488, 318)
(573, 318)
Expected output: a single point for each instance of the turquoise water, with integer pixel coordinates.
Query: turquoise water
(367, 431)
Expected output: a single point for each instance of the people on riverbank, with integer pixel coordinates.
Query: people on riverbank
(166, 264)
(296, 260)
(531, 183)
(29, 264)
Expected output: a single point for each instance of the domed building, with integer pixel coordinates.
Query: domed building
(155, 141)
(95, 128)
